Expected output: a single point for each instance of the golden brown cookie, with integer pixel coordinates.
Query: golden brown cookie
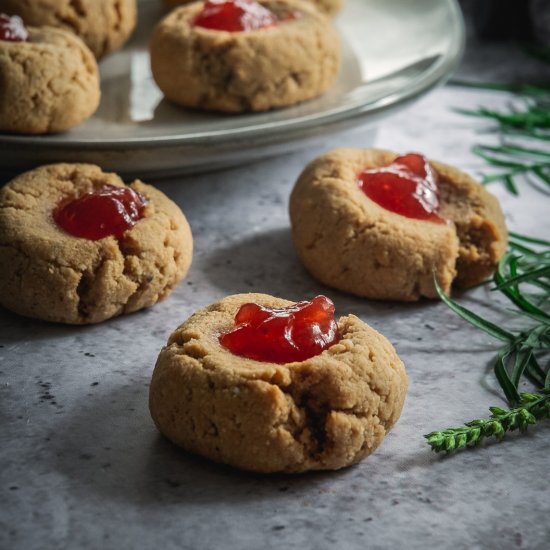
(104, 25)
(324, 413)
(349, 242)
(328, 7)
(49, 83)
(298, 59)
(50, 274)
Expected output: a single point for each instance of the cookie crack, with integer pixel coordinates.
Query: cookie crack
(82, 291)
(312, 435)
(143, 280)
(68, 21)
(78, 7)
(315, 416)
(85, 288)
(118, 15)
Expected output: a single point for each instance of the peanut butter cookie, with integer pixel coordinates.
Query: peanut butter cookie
(49, 82)
(294, 58)
(323, 413)
(49, 273)
(104, 25)
(349, 242)
(328, 7)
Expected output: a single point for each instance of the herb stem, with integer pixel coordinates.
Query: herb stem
(532, 407)
(528, 120)
(522, 266)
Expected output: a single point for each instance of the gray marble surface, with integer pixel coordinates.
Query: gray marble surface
(82, 465)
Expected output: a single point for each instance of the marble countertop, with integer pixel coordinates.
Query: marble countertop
(82, 465)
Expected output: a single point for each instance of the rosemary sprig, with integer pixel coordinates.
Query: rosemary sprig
(516, 125)
(532, 407)
(523, 89)
(523, 277)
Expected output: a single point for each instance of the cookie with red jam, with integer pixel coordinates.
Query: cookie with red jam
(49, 81)
(328, 7)
(242, 55)
(103, 25)
(267, 385)
(79, 246)
(380, 225)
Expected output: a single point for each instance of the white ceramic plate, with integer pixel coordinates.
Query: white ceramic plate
(394, 51)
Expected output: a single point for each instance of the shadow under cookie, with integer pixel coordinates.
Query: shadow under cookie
(267, 262)
(264, 262)
(109, 448)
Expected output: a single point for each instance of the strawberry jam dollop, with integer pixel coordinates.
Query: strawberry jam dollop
(234, 16)
(107, 211)
(283, 335)
(407, 187)
(12, 29)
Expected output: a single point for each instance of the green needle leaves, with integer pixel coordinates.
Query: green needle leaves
(532, 407)
(523, 277)
(516, 126)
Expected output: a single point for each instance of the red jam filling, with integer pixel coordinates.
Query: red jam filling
(234, 16)
(408, 187)
(108, 211)
(284, 335)
(12, 29)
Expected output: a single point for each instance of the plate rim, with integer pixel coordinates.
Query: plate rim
(437, 73)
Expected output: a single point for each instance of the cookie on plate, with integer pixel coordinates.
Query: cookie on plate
(322, 412)
(78, 246)
(104, 25)
(49, 79)
(350, 233)
(239, 56)
(328, 7)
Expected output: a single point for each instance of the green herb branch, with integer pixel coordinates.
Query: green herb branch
(516, 126)
(523, 277)
(532, 407)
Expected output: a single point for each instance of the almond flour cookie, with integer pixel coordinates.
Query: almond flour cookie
(328, 7)
(49, 273)
(348, 241)
(292, 56)
(49, 82)
(104, 25)
(322, 413)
